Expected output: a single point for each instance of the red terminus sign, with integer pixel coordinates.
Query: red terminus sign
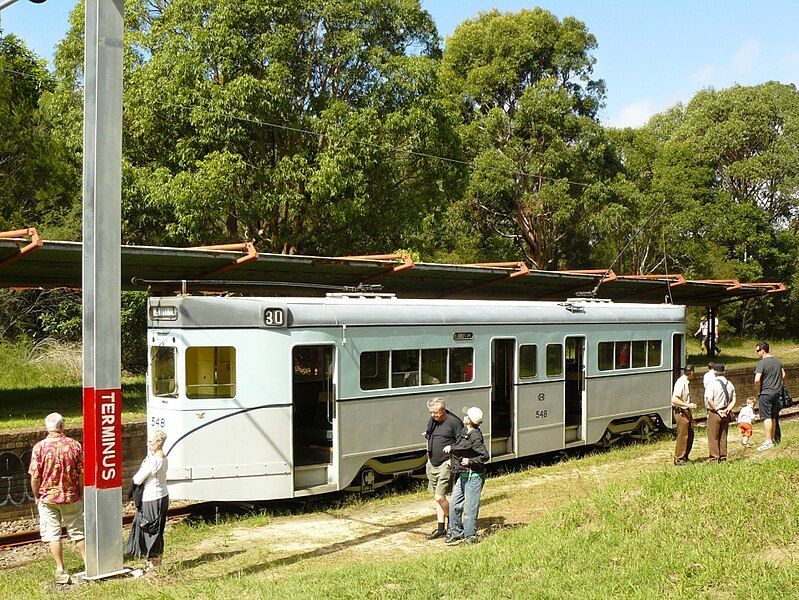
(102, 437)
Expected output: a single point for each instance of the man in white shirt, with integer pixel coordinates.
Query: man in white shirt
(684, 420)
(710, 376)
(719, 401)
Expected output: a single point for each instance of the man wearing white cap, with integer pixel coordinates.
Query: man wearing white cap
(468, 458)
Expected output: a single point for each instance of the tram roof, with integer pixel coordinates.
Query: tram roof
(362, 311)
(27, 262)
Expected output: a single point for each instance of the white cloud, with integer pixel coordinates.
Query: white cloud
(634, 114)
(745, 58)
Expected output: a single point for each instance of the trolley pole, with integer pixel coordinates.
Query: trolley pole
(102, 392)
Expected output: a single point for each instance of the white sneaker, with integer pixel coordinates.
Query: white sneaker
(766, 445)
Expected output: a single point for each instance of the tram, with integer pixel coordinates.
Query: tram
(266, 398)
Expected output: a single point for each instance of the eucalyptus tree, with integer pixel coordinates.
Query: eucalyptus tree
(37, 185)
(525, 86)
(303, 125)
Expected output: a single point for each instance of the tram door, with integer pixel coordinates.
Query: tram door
(574, 393)
(313, 404)
(676, 356)
(502, 400)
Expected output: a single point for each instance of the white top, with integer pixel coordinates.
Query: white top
(153, 474)
(682, 389)
(708, 379)
(747, 415)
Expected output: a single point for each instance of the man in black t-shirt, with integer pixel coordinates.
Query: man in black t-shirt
(769, 374)
(442, 430)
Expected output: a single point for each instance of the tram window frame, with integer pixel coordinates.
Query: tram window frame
(550, 354)
(621, 351)
(220, 364)
(650, 345)
(381, 369)
(156, 367)
(434, 370)
(460, 371)
(402, 373)
(605, 356)
(525, 363)
(638, 348)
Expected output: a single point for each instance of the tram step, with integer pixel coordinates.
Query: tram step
(306, 476)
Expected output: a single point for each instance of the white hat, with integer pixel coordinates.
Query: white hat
(475, 415)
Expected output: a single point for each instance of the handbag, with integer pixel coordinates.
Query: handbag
(785, 398)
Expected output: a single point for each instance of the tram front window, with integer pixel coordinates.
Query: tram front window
(163, 382)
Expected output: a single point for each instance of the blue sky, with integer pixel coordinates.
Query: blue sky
(652, 53)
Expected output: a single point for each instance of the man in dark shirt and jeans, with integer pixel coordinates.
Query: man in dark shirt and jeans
(769, 375)
(442, 430)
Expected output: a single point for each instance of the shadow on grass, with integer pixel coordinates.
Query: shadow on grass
(36, 403)
(387, 530)
(203, 558)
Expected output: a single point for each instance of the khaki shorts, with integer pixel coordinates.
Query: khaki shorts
(439, 479)
(51, 516)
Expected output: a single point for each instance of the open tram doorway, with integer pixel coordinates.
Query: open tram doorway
(313, 404)
(574, 390)
(502, 361)
(677, 355)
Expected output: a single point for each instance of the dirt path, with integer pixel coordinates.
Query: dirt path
(396, 528)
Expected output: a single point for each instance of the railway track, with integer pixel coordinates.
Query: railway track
(31, 536)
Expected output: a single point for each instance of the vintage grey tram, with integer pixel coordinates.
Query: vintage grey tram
(266, 398)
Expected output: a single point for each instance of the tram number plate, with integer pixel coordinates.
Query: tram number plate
(541, 414)
(274, 317)
(157, 422)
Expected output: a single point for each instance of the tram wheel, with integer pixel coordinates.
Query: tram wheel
(645, 431)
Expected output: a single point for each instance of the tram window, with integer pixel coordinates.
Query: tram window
(309, 364)
(554, 360)
(404, 368)
(653, 354)
(528, 355)
(210, 372)
(374, 370)
(164, 369)
(622, 355)
(461, 365)
(639, 354)
(605, 356)
(434, 366)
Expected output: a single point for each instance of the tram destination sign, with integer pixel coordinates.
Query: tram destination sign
(274, 317)
(462, 336)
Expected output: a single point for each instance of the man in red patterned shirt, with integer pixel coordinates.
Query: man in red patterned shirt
(56, 472)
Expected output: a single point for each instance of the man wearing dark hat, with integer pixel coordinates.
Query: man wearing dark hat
(719, 402)
(682, 406)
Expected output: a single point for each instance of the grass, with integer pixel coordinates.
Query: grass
(740, 352)
(659, 532)
(38, 380)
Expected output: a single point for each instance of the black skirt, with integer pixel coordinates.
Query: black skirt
(147, 533)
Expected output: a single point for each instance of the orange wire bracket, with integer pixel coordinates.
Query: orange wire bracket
(608, 275)
(522, 268)
(776, 287)
(407, 263)
(674, 280)
(36, 242)
(249, 247)
(733, 284)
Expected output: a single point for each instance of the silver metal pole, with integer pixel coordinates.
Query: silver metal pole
(102, 394)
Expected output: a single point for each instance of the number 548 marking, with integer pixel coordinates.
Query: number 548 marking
(541, 414)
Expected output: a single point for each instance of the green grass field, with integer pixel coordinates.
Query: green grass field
(602, 530)
(37, 381)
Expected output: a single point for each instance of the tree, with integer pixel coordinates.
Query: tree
(529, 106)
(38, 185)
(302, 125)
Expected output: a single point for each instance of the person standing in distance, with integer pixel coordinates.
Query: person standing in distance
(682, 406)
(443, 429)
(56, 471)
(769, 374)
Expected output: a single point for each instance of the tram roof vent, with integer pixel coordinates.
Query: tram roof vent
(357, 294)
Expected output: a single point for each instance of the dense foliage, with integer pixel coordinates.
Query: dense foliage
(348, 127)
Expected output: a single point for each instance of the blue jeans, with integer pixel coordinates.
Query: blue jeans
(464, 505)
